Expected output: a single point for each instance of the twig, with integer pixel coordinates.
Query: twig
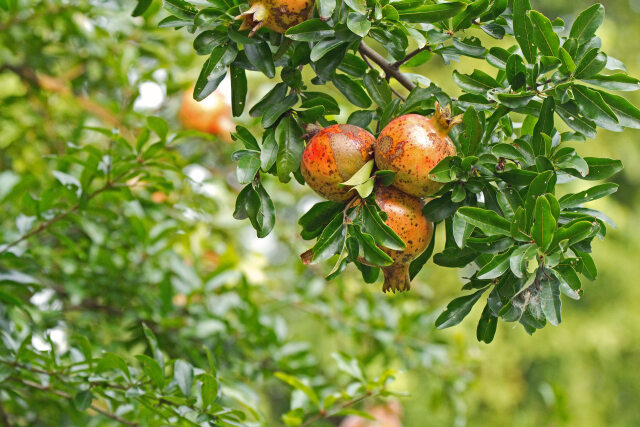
(4, 417)
(60, 216)
(347, 404)
(396, 93)
(70, 397)
(410, 55)
(386, 66)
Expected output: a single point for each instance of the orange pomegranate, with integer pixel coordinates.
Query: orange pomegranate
(276, 15)
(406, 219)
(211, 115)
(411, 145)
(332, 156)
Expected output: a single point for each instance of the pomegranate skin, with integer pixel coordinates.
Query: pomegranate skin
(406, 219)
(332, 156)
(276, 15)
(411, 145)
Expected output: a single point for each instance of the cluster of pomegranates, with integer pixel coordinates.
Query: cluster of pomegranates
(410, 146)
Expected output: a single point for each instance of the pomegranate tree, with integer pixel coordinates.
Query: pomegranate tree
(485, 164)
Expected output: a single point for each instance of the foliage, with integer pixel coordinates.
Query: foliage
(127, 296)
(499, 201)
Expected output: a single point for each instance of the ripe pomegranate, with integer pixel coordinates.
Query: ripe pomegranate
(406, 219)
(332, 156)
(211, 115)
(277, 15)
(411, 145)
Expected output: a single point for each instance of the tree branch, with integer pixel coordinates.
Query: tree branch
(66, 395)
(389, 69)
(410, 55)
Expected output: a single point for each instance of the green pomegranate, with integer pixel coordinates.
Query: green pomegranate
(332, 156)
(406, 219)
(411, 145)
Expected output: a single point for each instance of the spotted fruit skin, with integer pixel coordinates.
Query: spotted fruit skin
(406, 219)
(277, 15)
(332, 156)
(411, 145)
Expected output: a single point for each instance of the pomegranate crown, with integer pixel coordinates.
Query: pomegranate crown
(254, 18)
(443, 117)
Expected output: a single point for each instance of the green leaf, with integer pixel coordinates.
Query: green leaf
(273, 112)
(140, 9)
(159, 126)
(431, 12)
(359, 6)
(248, 167)
(213, 71)
(495, 267)
(180, 8)
(238, 90)
(550, 298)
(326, 8)
(290, 147)
(329, 241)
(628, 115)
(591, 64)
(515, 100)
(371, 253)
(488, 221)
(260, 56)
(297, 384)
(82, 399)
(152, 369)
(587, 23)
(318, 217)
(477, 82)
(274, 96)
(112, 361)
(544, 224)
(358, 24)
(310, 30)
(567, 60)
(487, 326)
(377, 88)
(209, 390)
(206, 41)
(614, 82)
(458, 310)
(269, 151)
(470, 139)
(543, 35)
(352, 90)
(523, 29)
(602, 168)
(363, 174)
(373, 224)
(570, 115)
(183, 376)
(593, 193)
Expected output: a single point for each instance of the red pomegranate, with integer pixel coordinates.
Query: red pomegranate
(332, 156)
(211, 115)
(276, 15)
(411, 145)
(406, 219)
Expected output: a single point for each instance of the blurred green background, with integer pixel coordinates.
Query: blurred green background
(582, 373)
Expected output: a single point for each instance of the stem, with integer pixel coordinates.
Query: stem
(389, 68)
(348, 403)
(4, 417)
(410, 55)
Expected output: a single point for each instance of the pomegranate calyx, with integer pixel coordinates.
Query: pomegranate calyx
(254, 18)
(442, 118)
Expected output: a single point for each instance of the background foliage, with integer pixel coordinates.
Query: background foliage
(142, 265)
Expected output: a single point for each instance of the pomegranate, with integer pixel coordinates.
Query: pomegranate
(332, 156)
(411, 145)
(406, 219)
(277, 15)
(211, 115)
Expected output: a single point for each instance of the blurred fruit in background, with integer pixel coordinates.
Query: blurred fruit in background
(387, 415)
(211, 115)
